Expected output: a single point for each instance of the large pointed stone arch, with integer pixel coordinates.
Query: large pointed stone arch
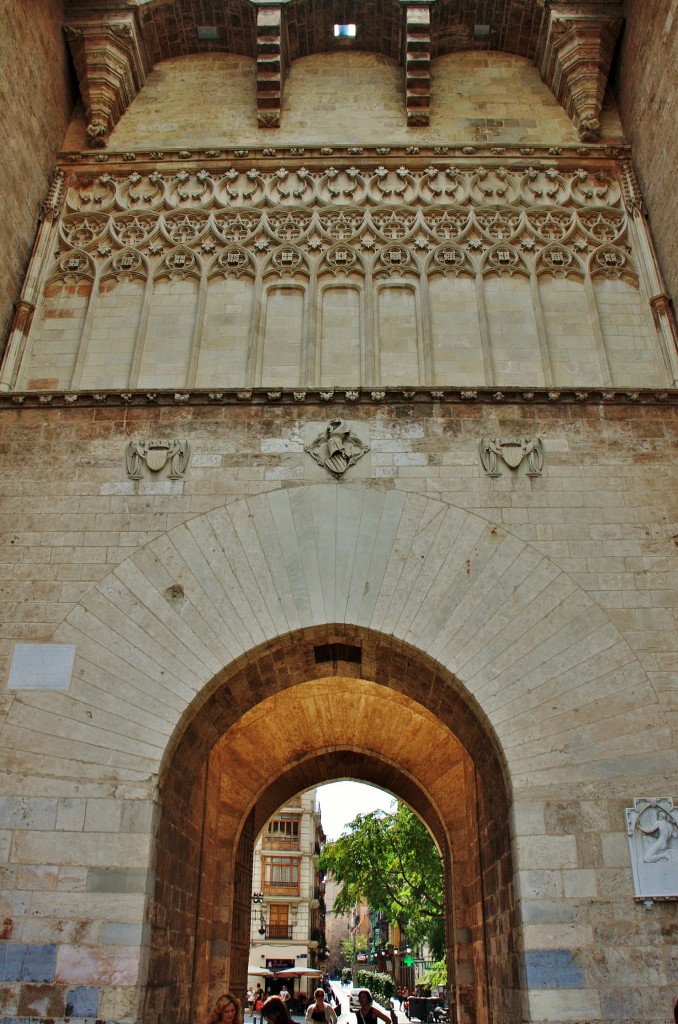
(197, 630)
(379, 711)
(531, 647)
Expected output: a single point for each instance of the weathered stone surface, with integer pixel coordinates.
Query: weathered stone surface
(36, 104)
(517, 634)
(647, 98)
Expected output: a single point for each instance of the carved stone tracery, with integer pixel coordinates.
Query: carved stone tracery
(499, 219)
(399, 226)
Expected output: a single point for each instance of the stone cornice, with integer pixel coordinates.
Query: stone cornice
(371, 396)
(463, 154)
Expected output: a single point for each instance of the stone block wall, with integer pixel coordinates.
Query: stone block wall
(35, 107)
(475, 98)
(575, 610)
(648, 98)
(528, 609)
(70, 511)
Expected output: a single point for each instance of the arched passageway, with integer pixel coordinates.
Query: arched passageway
(198, 654)
(312, 706)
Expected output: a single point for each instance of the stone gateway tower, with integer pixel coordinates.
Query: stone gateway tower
(338, 425)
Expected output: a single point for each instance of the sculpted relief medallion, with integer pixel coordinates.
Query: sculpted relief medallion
(337, 447)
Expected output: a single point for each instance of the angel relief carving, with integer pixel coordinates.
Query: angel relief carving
(155, 455)
(511, 451)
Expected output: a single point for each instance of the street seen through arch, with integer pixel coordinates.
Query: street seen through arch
(364, 914)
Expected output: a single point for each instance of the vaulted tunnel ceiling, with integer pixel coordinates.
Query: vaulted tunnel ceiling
(169, 26)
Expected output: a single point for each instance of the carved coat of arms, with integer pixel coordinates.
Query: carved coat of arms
(512, 451)
(155, 454)
(337, 447)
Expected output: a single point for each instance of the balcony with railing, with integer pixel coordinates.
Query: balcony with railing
(278, 931)
(278, 842)
(280, 889)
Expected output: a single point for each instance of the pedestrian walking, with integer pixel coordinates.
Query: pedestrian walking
(227, 1010)
(368, 1012)
(258, 1005)
(275, 1011)
(319, 1011)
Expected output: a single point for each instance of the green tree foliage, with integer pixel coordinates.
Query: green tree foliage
(436, 975)
(390, 862)
(351, 947)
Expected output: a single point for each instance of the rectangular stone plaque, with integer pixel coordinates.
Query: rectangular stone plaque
(652, 829)
(41, 667)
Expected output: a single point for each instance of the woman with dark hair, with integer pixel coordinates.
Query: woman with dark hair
(275, 1011)
(320, 1012)
(368, 1013)
(227, 1010)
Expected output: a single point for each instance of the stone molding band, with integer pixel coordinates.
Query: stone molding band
(473, 151)
(421, 395)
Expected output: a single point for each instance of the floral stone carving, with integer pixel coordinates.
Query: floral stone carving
(337, 447)
(155, 455)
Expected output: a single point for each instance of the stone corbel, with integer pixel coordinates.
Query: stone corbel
(577, 52)
(417, 60)
(272, 61)
(111, 63)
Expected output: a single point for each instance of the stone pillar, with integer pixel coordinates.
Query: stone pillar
(111, 63)
(575, 58)
(30, 293)
(417, 60)
(660, 303)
